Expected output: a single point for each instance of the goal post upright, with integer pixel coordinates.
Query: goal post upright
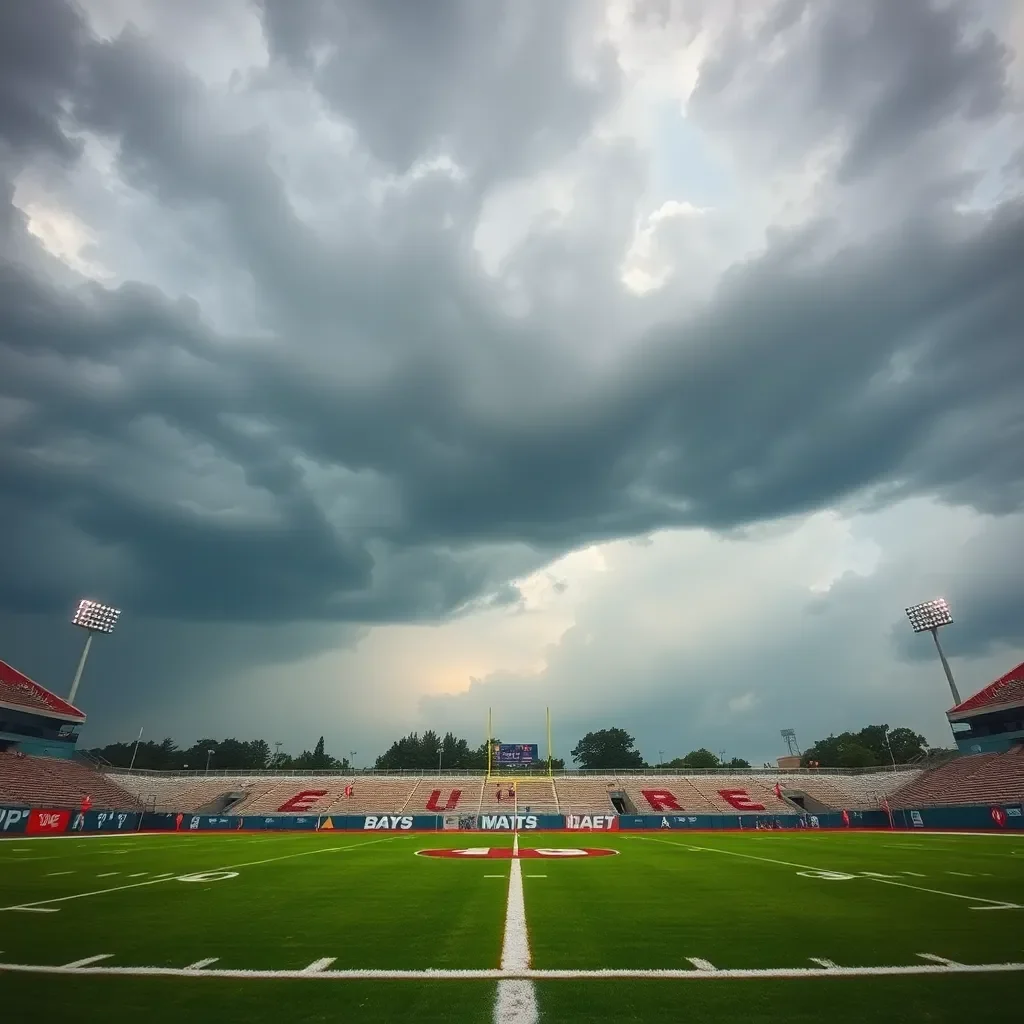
(499, 773)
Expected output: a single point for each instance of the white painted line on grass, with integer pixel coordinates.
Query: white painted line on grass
(89, 960)
(915, 874)
(35, 910)
(990, 904)
(936, 959)
(536, 876)
(54, 874)
(200, 964)
(962, 874)
(156, 881)
(516, 1000)
(702, 965)
(319, 965)
(139, 874)
(830, 964)
(501, 975)
(495, 876)
(108, 874)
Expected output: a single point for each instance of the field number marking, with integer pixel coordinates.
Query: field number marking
(208, 876)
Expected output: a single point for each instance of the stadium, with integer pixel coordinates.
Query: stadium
(518, 894)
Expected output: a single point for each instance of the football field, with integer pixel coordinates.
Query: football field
(478, 927)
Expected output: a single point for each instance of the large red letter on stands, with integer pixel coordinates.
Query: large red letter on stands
(740, 799)
(661, 799)
(302, 801)
(453, 800)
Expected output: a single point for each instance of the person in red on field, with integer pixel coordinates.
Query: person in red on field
(86, 803)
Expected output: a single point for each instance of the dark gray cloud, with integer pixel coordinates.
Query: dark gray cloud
(393, 445)
(401, 73)
(876, 79)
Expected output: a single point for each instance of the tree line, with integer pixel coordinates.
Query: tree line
(603, 749)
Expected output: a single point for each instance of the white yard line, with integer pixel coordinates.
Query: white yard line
(230, 867)
(991, 904)
(319, 965)
(516, 1000)
(702, 965)
(89, 960)
(530, 975)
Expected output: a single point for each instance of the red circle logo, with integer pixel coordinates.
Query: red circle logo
(999, 816)
(505, 853)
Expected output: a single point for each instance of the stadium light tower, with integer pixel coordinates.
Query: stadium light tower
(94, 618)
(927, 617)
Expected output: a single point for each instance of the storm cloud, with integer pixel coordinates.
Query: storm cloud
(259, 363)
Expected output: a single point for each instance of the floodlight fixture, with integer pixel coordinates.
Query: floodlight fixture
(928, 617)
(94, 617)
(789, 735)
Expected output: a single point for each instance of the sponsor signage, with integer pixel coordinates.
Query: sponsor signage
(513, 753)
(13, 819)
(507, 822)
(591, 823)
(48, 821)
(388, 822)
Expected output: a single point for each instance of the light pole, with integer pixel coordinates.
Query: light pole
(927, 617)
(661, 758)
(94, 618)
(352, 758)
(135, 752)
(889, 745)
(209, 754)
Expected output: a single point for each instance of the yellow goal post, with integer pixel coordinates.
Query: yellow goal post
(496, 773)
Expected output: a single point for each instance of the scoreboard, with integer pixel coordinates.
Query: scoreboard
(513, 753)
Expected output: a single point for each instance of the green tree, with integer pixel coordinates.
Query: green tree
(607, 748)
(907, 745)
(737, 762)
(702, 758)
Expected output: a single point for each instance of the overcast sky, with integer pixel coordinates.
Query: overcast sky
(386, 361)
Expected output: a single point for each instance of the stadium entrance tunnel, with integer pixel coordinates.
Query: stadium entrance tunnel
(505, 853)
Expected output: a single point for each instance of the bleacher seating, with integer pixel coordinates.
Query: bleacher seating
(971, 779)
(17, 690)
(581, 795)
(537, 794)
(58, 783)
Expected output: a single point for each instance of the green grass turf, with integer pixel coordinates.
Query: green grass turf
(738, 902)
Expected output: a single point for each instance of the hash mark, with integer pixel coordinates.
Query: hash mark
(89, 960)
(200, 964)
(319, 965)
(702, 965)
(945, 961)
(831, 964)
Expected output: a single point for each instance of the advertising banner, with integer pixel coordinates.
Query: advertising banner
(591, 823)
(13, 820)
(48, 821)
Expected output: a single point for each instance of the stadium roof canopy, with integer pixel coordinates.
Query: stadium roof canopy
(20, 693)
(1005, 692)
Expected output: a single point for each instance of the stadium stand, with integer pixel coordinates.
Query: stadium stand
(991, 720)
(437, 795)
(586, 796)
(58, 783)
(33, 720)
(971, 779)
(537, 795)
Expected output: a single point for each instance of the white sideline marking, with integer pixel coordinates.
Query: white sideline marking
(502, 975)
(830, 964)
(935, 959)
(200, 964)
(516, 1000)
(155, 881)
(35, 910)
(89, 960)
(702, 965)
(319, 965)
(992, 904)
